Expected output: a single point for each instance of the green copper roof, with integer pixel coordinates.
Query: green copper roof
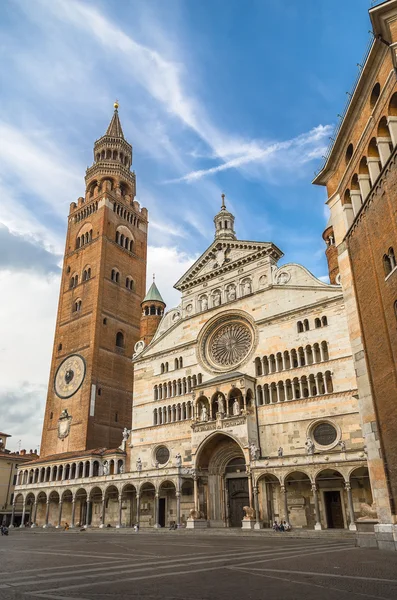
(153, 294)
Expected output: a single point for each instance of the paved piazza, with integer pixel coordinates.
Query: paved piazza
(190, 566)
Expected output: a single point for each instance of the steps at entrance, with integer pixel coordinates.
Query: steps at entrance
(330, 534)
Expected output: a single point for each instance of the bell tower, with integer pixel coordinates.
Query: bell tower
(103, 283)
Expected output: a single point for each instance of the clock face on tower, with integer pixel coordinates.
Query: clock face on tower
(69, 376)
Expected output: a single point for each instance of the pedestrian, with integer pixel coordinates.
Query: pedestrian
(275, 526)
(287, 526)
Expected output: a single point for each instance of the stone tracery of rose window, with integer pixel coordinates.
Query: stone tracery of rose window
(230, 344)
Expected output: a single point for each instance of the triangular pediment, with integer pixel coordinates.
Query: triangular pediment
(223, 256)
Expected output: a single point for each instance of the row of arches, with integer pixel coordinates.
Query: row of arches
(122, 212)
(318, 322)
(83, 239)
(178, 387)
(292, 359)
(371, 164)
(86, 212)
(68, 471)
(220, 296)
(153, 310)
(86, 275)
(222, 405)
(148, 505)
(111, 154)
(307, 386)
(171, 414)
(108, 184)
(124, 241)
(115, 276)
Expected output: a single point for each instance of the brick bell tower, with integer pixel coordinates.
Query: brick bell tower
(103, 283)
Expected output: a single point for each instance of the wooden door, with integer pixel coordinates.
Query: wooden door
(238, 498)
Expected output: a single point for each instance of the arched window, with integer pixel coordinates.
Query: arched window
(392, 258)
(180, 362)
(166, 367)
(386, 265)
(324, 321)
(306, 324)
(374, 95)
(119, 340)
(199, 378)
(152, 310)
(162, 368)
(115, 275)
(349, 153)
(317, 323)
(176, 363)
(299, 326)
(77, 306)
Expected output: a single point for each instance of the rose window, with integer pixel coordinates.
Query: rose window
(230, 344)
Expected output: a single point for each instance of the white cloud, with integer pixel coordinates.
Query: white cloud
(309, 146)
(168, 264)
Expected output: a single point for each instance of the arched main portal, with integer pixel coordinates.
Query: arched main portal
(222, 484)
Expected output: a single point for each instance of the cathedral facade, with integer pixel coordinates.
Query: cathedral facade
(234, 409)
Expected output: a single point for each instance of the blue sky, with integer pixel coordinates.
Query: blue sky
(216, 95)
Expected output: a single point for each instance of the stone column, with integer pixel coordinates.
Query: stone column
(157, 510)
(91, 471)
(305, 355)
(383, 144)
(373, 168)
(355, 196)
(317, 384)
(47, 514)
(195, 492)
(12, 516)
(283, 361)
(321, 352)
(34, 514)
(316, 507)
(73, 513)
(300, 387)
(326, 384)
(285, 502)
(250, 488)
(23, 514)
(118, 526)
(278, 391)
(364, 181)
(392, 123)
(88, 513)
(178, 509)
(256, 506)
(59, 514)
(138, 509)
(293, 390)
(350, 507)
(103, 513)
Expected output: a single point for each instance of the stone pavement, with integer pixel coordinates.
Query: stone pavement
(61, 566)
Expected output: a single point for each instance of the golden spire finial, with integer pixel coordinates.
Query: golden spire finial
(116, 104)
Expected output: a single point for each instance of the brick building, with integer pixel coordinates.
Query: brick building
(361, 178)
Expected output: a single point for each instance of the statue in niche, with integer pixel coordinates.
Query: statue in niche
(247, 288)
(254, 451)
(263, 281)
(178, 458)
(204, 413)
(204, 302)
(121, 469)
(236, 408)
(309, 446)
(221, 404)
(249, 513)
(280, 451)
(342, 445)
(231, 293)
(139, 464)
(106, 468)
(217, 298)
